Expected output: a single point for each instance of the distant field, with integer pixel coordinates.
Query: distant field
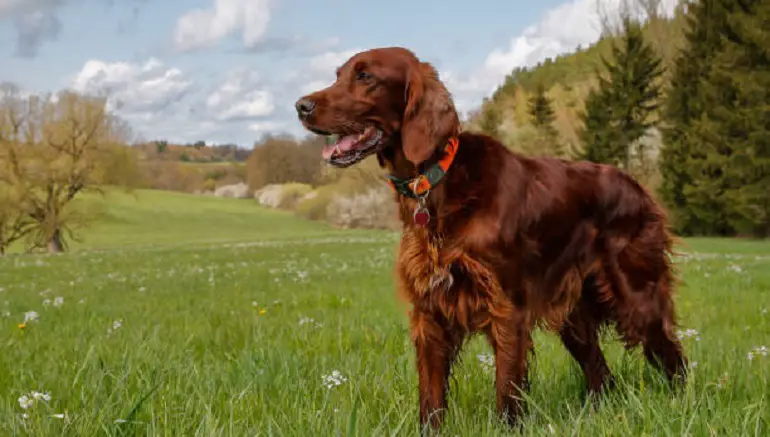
(202, 316)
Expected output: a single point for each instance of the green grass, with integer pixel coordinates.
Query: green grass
(160, 218)
(234, 339)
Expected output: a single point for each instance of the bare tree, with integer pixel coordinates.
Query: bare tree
(54, 147)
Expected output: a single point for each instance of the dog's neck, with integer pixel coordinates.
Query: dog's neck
(416, 181)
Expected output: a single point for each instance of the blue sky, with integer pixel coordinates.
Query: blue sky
(230, 70)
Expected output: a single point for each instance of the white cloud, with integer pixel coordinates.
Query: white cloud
(134, 90)
(240, 96)
(560, 30)
(202, 28)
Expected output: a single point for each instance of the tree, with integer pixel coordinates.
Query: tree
(541, 112)
(734, 130)
(692, 185)
(491, 118)
(622, 109)
(545, 139)
(56, 148)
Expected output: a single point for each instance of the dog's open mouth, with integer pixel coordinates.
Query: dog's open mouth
(346, 150)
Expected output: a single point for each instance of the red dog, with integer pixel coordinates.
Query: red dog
(498, 243)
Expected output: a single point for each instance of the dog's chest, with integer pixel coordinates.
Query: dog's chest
(448, 280)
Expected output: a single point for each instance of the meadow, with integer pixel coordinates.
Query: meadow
(192, 316)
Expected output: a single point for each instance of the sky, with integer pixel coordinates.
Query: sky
(229, 71)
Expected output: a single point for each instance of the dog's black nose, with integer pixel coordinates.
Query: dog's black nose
(304, 107)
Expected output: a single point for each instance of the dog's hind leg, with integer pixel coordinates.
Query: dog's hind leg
(580, 335)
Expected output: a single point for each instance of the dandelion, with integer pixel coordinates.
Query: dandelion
(262, 312)
(21, 326)
(31, 316)
(335, 379)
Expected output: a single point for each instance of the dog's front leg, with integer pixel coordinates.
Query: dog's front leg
(511, 339)
(436, 349)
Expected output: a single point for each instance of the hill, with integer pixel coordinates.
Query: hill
(567, 79)
(164, 218)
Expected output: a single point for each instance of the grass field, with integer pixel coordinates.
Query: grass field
(190, 316)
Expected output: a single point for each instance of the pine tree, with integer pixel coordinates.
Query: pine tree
(546, 138)
(735, 128)
(491, 118)
(692, 193)
(541, 112)
(621, 110)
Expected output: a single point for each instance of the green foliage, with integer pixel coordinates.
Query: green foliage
(489, 122)
(292, 193)
(622, 109)
(541, 111)
(716, 176)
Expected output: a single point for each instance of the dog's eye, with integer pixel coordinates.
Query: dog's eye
(363, 76)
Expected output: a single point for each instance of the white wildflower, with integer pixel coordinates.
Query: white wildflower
(46, 302)
(25, 402)
(31, 316)
(335, 379)
(59, 416)
(736, 268)
(687, 333)
(758, 351)
(487, 362)
(115, 326)
(693, 364)
(551, 429)
(58, 301)
(41, 396)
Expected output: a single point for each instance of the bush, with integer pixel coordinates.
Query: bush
(291, 194)
(374, 209)
(314, 205)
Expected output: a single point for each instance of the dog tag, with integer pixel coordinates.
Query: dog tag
(421, 216)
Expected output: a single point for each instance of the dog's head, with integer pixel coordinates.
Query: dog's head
(384, 101)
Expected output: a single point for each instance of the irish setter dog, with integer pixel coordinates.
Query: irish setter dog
(498, 243)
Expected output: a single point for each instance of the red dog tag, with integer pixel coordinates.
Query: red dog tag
(421, 217)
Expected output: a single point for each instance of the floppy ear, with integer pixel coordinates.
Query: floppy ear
(430, 118)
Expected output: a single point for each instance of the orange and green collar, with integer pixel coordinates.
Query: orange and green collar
(419, 186)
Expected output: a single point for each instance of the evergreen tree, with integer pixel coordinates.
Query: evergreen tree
(491, 118)
(545, 140)
(694, 197)
(735, 128)
(541, 112)
(620, 111)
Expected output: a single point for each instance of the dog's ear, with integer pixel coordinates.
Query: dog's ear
(430, 118)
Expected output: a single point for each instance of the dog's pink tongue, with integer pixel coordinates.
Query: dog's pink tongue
(343, 145)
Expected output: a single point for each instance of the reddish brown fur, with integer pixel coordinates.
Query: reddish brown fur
(513, 242)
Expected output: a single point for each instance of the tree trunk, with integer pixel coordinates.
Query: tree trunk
(55, 244)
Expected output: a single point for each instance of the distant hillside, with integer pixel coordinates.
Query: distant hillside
(568, 79)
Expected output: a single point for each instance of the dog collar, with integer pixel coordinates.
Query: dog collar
(417, 187)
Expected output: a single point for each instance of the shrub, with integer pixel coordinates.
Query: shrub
(374, 209)
(291, 194)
